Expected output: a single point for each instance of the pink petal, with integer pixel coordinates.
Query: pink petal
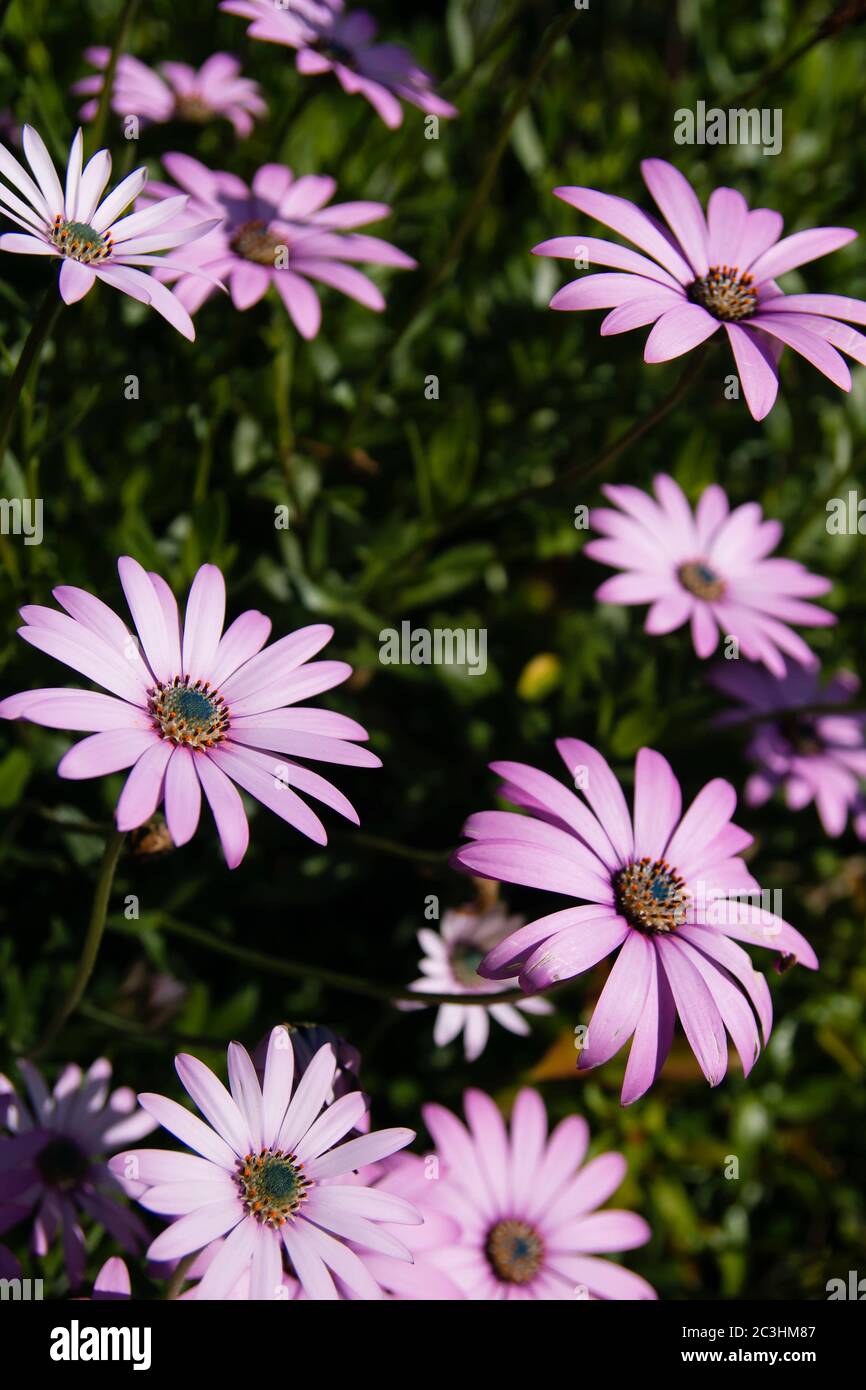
(757, 371)
(182, 796)
(677, 331)
(679, 205)
(227, 810)
(143, 789)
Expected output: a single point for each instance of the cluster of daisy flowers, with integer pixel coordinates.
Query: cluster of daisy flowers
(278, 232)
(284, 1190)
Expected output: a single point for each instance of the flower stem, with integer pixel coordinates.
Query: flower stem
(92, 941)
(578, 472)
(108, 83)
(470, 217)
(350, 984)
(40, 329)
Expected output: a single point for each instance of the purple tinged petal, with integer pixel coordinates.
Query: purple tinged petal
(108, 752)
(621, 1002)
(301, 301)
(189, 1129)
(75, 281)
(182, 796)
(335, 1121)
(727, 214)
(602, 791)
(710, 811)
(148, 616)
(214, 1102)
(506, 958)
(657, 804)
(699, 1015)
(679, 205)
(605, 1230)
(627, 219)
(533, 866)
(815, 350)
(757, 370)
(143, 789)
(677, 331)
(269, 786)
(203, 623)
(572, 951)
(246, 1092)
(198, 1229)
(310, 1096)
(308, 1263)
(608, 291)
(241, 641)
(86, 711)
(652, 1037)
(231, 1261)
(796, 250)
(370, 1148)
(227, 810)
(279, 1073)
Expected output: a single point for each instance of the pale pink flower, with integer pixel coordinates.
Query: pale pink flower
(192, 709)
(711, 568)
(175, 92)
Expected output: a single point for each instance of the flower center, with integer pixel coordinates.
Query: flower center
(515, 1251)
(254, 242)
(62, 1164)
(701, 581)
(803, 736)
(725, 293)
(80, 242)
(189, 712)
(192, 108)
(465, 960)
(651, 896)
(334, 50)
(272, 1185)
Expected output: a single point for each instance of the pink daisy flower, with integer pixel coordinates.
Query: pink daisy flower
(277, 233)
(87, 233)
(258, 1177)
(52, 1163)
(699, 274)
(192, 709)
(328, 39)
(811, 757)
(526, 1206)
(663, 890)
(176, 92)
(450, 966)
(709, 568)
